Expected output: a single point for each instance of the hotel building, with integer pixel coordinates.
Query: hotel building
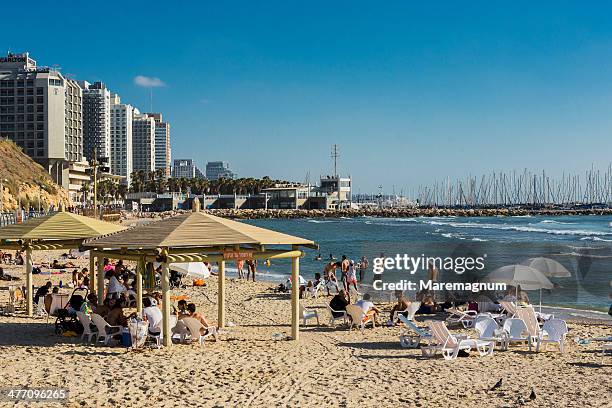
(96, 120)
(122, 116)
(162, 144)
(143, 142)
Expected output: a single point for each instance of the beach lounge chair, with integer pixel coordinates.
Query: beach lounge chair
(332, 318)
(306, 314)
(488, 330)
(465, 318)
(508, 307)
(553, 331)
(86, 323)
(410, 311)
(517, 332)
(359, 318)
(314, 291)
(527, 315)
(450, 345)
(607, 348)
(411, 336)
(105, 331)
(193, 327)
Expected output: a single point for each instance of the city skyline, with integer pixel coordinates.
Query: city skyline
(411, 93)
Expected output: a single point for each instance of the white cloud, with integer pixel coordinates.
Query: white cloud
(148, 82)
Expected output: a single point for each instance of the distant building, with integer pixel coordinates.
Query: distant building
(162, 143)
(338, 191)
(219, 169)
(143, 142)
(96, 120)
(41, 111)
(122, 116)
(186, 168)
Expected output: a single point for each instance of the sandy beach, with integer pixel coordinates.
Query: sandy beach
(327, 367)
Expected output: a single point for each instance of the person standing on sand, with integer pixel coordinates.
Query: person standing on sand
(240, 266)
(251, 268)
(329, 276)
(344, 267)
(363, 266)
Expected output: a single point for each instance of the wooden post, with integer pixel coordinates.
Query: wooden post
(92, 272)
(100, 278)
(165, 283)
(221, 295)
(295, 297)
(139, 270)
(28, 265)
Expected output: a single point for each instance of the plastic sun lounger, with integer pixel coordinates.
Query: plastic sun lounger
(410, 311)
(528, 316)
(553, 331)
(105, 331)
(465, 318)
(306, 314)
(488, 330)
(86, 323)
(450, 345)
(411, 336)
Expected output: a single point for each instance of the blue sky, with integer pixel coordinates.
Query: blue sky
(411, 92)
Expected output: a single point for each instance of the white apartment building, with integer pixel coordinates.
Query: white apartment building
(143, 142)
(162, 143)
(96, 120)
(122, 116)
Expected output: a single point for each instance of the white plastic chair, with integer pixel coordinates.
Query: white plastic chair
(194, 326)
(105, 331)
(527, 315)
(553, 331)
(332, 318)
(450, 345)
(41, 309)
(359, 317)
(315, 290)
(516, 330)
(411, 336)
(488, 330)
(306, 314)
(86, 323)
(411, 310)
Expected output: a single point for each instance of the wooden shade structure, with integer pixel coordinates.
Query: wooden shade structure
(199, 237)
(61, 230)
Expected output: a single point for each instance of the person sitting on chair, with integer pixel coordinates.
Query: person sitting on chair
(191, 312)
(368, 307)
(42, 291)
(339, 303)
(153, 315)
(401, 305)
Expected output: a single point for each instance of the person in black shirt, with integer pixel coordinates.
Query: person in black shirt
(339, 303)
(42, 291)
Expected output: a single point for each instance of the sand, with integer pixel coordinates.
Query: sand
(327, 367)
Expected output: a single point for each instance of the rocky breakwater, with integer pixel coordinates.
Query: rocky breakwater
(403, 212)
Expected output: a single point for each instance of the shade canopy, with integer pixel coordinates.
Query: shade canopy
(549, 267)
(526, 277)
(60, 226)
(195, 230)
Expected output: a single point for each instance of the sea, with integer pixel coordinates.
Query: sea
(581, 244)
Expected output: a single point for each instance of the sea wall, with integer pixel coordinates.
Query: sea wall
(403, 212)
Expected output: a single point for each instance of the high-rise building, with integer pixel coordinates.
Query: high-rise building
(41, 111)
(219, 169)
(185, 168)
(122, 116)
(143, 142)
(96, 120)
(162, 144)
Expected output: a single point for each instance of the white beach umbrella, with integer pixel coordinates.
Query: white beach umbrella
(193, 269)
(549, 267)
(527, 277)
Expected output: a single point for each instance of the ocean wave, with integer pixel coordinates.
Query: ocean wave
(320, 221)
(479, 239)
(592, 238)
(452, 236)
(585, 255)
(556, 222)
(506, 227)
